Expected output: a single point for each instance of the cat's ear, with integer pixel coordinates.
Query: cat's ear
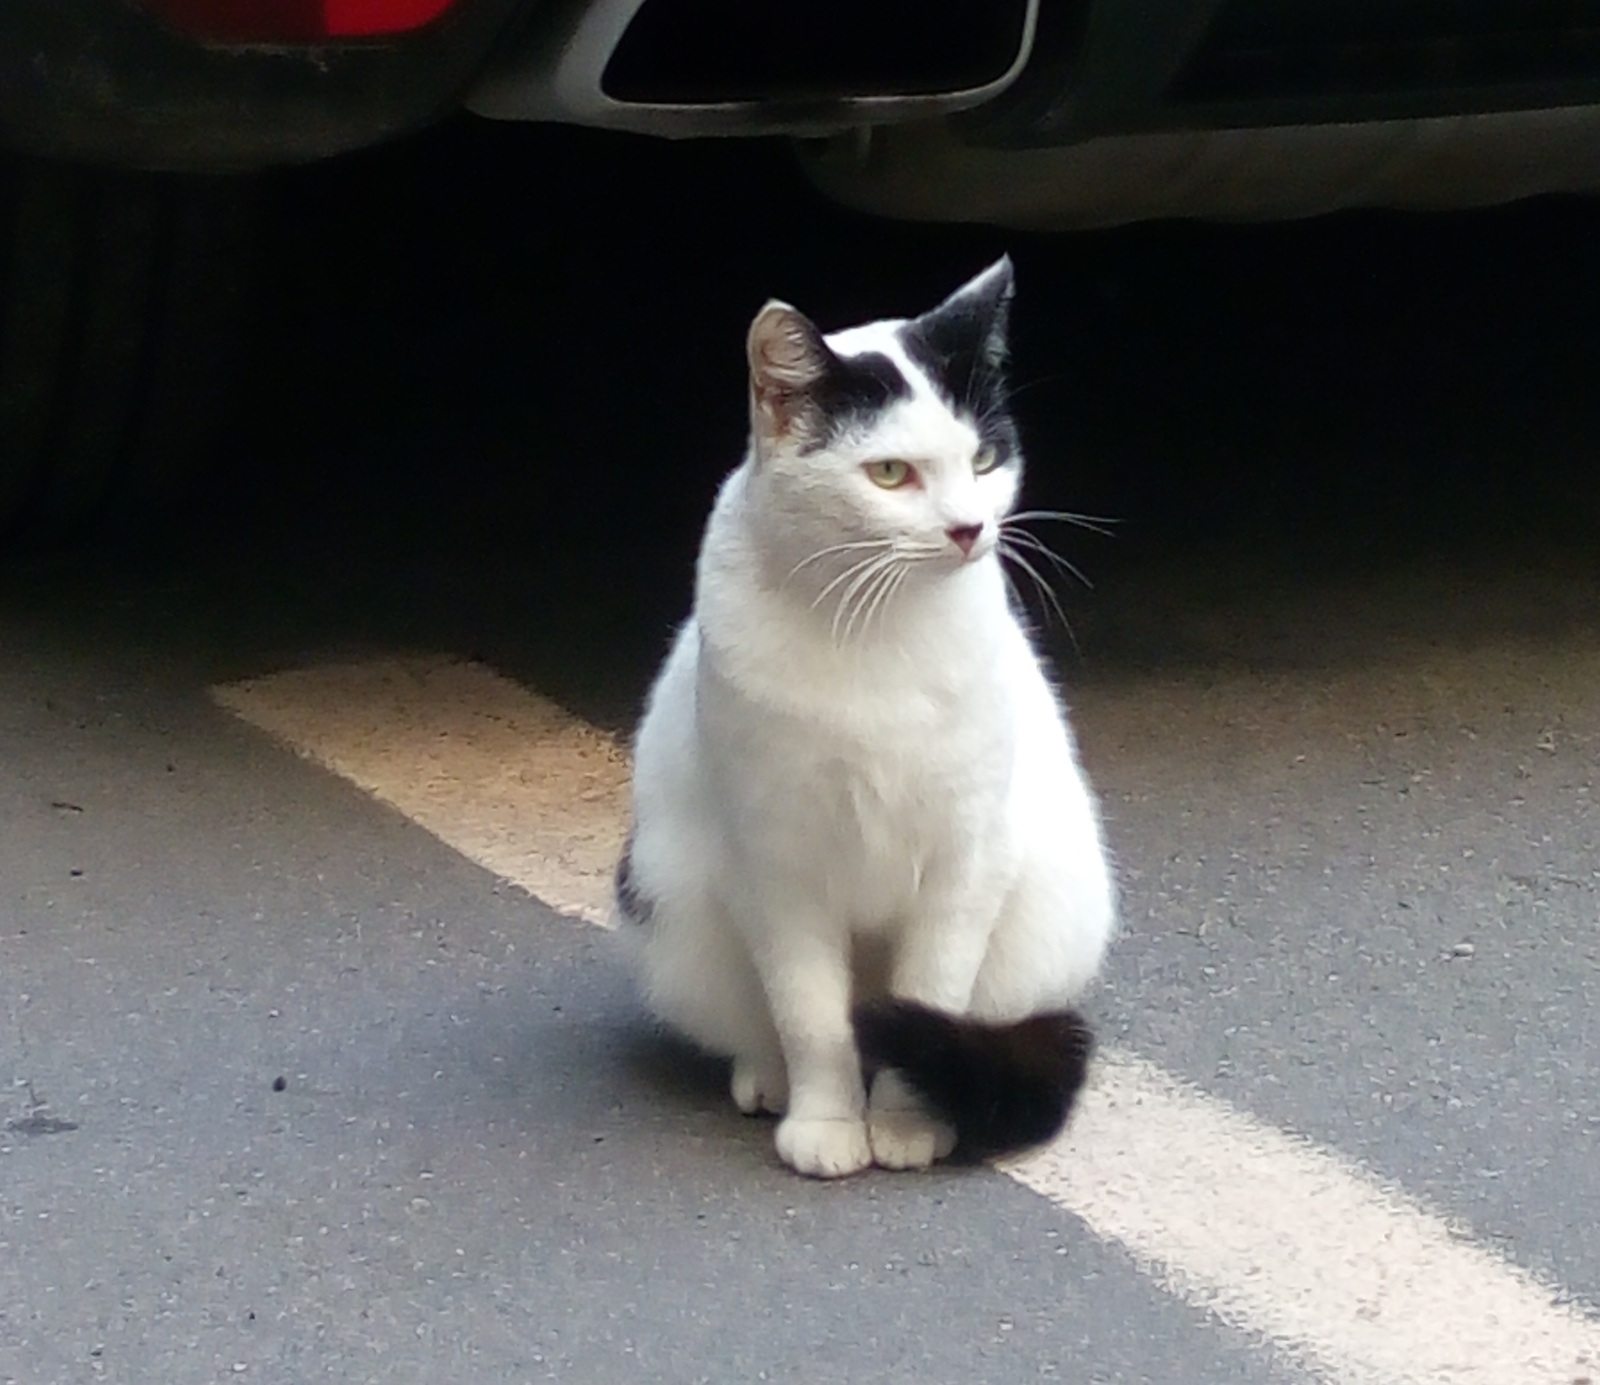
(788, 360)
(977, 316)
(963, 343)
(981, 307)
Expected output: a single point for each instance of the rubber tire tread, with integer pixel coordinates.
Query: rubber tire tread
(122, 310)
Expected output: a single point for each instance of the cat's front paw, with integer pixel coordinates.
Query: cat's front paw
(908, 1138)
(760, 1086)
(903, 1133)
(824, 1148)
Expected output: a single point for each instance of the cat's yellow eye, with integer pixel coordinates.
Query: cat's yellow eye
(986, 460)
(891, 473)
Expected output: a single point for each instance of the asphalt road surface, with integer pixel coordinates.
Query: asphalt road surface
(303, 1079)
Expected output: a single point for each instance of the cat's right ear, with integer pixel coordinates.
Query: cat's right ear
(788, 361)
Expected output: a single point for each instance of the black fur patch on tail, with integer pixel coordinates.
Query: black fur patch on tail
(1003, 1086)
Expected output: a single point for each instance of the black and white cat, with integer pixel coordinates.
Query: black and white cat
(864, 862)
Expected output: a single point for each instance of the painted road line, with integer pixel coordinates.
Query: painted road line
(1360, 1283)
(1278, 1236)
(507, 778)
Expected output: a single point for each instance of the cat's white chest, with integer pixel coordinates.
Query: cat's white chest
(860, 794)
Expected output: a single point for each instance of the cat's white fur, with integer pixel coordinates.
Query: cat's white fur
(828, 804)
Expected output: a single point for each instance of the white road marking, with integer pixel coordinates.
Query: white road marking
(507, 778)
(1278, 1236)
(1273, 1234)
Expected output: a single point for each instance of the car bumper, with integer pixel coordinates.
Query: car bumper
(100, 81)
(928, 173)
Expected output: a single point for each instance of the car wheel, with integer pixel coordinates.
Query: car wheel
(122, 308)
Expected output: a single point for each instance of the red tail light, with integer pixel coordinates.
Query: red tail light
(296, 21)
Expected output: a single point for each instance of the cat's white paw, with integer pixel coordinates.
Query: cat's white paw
(760, 1085)
(907, 1138)
(824, 1148)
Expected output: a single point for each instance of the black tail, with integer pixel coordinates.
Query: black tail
(1003, 1086)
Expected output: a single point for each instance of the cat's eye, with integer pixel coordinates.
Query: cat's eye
(890, 473)
(986, 460)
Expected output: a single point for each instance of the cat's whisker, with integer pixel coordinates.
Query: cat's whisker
(883, 596)
(828, 552)
(1014, 551)
(899, 582)
(870, 599)
(897, 575)
(1015, 597)
(848, 573)
(849, 601)
(843, 613)
(1013, 388)
(1045, 589)
(1034, 543)
(842, 607)
(861, 599)
(1096, 524)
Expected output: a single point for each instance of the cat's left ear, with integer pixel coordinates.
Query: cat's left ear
(788, 360)
(980, 312)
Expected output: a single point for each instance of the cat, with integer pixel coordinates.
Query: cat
(864, 863)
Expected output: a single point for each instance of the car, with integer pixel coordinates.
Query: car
(130, 128)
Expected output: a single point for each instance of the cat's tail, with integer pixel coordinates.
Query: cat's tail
(1003, 1087)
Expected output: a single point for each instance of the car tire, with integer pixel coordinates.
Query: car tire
(123, 302)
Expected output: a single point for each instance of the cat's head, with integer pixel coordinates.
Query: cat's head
(890, 442)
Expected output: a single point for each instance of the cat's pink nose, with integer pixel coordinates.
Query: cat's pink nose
(964, 536)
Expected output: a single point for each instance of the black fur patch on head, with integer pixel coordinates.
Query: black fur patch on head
(962, 347)
(635, 907)
(852, 390)
(1004, 1087)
